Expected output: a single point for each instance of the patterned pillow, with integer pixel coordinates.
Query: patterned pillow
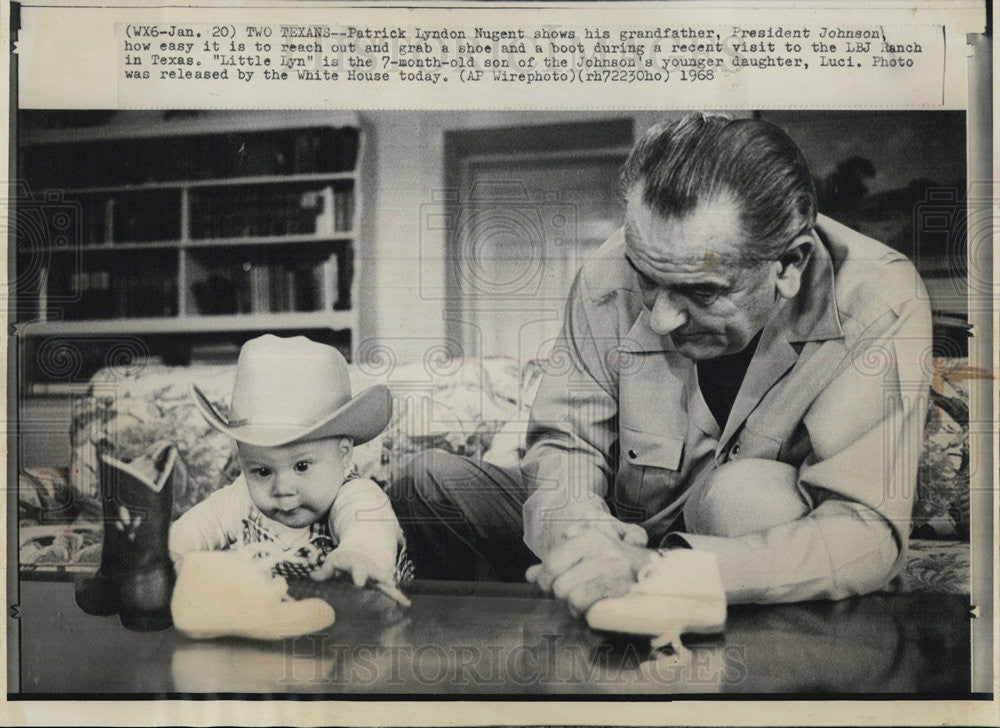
(126, 413)
(935, 566)
(941, 509)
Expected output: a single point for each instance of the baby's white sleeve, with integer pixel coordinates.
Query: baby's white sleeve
(213, 524)
(362, 519)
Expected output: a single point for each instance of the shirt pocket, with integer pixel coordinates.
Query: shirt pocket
(751, 443)
(648, 473)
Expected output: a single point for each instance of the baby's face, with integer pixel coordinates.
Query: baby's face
(295, 484)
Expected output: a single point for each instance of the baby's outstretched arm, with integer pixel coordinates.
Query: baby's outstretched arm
(367, 531)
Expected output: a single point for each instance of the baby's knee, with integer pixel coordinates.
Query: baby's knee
(745, 496)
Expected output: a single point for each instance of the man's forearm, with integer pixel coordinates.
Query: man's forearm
(840, 549)
(568, 482)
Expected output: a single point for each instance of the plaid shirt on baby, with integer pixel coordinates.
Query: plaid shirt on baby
(310, 554)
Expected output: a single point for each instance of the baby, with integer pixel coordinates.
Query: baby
(299, 505)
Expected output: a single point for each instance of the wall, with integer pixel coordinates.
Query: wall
(402, 286)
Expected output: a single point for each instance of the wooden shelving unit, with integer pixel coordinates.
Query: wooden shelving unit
(189, 230)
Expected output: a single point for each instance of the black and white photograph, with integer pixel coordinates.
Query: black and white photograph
(609, 403)
(675, 408)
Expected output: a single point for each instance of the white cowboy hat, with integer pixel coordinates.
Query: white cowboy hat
(296, 389)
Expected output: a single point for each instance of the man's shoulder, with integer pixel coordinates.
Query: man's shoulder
(871, 279)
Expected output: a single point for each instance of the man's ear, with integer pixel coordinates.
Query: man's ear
(345, 448)
(791, 265)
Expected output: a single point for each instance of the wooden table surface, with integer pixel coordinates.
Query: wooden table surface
(462, 638)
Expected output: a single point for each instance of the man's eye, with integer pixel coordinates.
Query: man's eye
(704, 296)
(302, 466)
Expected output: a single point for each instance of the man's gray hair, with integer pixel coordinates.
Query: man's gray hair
(700, 157)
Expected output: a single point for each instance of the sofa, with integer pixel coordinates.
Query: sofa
(473, 407)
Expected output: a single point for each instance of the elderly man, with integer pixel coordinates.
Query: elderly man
(735, 374)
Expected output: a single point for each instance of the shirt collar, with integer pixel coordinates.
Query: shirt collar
(813, 314)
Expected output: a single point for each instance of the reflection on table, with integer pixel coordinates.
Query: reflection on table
(460, 638)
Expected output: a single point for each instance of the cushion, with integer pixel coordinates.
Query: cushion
(936, 566)
(941, 509)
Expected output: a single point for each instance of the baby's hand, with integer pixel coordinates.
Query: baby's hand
(358, 565)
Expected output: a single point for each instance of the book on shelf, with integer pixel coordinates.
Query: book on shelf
(328, 273)
(260, 288)
(305, 150)
(93, 293)
(97, 220)
(343, 276)
(284, 294)
(109, 221)
(326, 216)
(344, 210)
(133, 217)
(241, 283)
(145, 292)
(237, 213)
(278, 287)
(43, 292)
(323, 150)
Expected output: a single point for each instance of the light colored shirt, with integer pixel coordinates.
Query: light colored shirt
(837, 388)
(360, 519)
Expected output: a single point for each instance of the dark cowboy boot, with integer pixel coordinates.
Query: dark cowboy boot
(99, 594)
(136, 576)
(148, 583)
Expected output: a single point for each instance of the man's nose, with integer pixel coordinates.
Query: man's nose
(666, 315)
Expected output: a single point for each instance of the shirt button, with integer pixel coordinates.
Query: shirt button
(735, 452)
(632, 455)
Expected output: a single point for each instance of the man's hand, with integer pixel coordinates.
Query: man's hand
(358, 565)
(566, 522)
(588, 567)
(611, 527)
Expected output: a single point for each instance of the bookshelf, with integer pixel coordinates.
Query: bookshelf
(186, 233)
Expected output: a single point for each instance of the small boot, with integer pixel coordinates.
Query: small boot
(136, 575)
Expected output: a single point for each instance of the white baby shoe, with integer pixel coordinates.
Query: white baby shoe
(222, 593)
(679, 591)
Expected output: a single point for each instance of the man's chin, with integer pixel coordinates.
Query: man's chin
(698, 347)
